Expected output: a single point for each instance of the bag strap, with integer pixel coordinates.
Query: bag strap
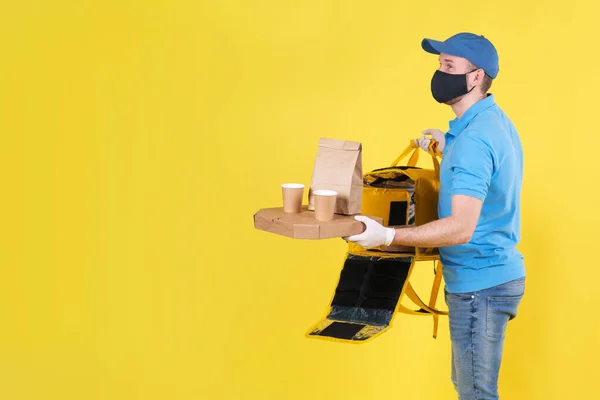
(425, 309)
(437, 280)
(435, 153)
(414, 149)
(412, 162)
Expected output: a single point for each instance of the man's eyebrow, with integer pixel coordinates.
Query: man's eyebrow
(447, 60)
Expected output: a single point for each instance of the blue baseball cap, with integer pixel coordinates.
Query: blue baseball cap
(475, 48)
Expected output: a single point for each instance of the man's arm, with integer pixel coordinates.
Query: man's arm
(471, 177)
(455, 229)
(472, 171)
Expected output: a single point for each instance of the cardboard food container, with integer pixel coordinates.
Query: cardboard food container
(305, 226)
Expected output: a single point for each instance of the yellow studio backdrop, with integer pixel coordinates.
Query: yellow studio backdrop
(139, 137)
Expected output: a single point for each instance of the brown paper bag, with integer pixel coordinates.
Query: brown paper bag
(338, 167)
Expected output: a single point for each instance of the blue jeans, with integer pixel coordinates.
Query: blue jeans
(477, 324)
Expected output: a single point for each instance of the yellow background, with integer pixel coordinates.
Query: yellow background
(139, 137)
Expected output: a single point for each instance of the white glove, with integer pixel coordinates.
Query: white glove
(436, 135)
(374, 235)
(423, 143)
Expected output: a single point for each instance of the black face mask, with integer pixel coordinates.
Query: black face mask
(446, 87)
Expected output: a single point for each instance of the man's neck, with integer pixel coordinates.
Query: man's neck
(465, 103)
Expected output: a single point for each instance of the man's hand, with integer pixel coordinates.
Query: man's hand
(374, 235)
(436, 135)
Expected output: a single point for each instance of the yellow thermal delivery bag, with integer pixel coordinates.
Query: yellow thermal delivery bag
(373, 282)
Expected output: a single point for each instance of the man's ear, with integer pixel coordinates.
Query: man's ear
(478, 78)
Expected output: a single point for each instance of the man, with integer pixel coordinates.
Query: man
(479, 213)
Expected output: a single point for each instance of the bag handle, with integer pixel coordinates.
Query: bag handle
(435, 153)
(412, 162)
(414, 148)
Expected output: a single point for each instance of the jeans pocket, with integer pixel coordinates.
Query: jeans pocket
(500, 310)
(460, 296)
(459, 301)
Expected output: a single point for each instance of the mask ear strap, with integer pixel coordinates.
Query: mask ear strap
(469, 73)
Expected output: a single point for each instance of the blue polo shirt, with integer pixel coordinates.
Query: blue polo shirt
(483, 158)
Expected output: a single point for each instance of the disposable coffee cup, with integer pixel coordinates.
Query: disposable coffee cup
(292, 197)
(324, 204)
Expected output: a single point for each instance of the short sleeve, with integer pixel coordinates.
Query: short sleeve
(472, 167)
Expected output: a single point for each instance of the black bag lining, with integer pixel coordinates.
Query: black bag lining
(342, 330)
(370, 282)
(381, 181)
